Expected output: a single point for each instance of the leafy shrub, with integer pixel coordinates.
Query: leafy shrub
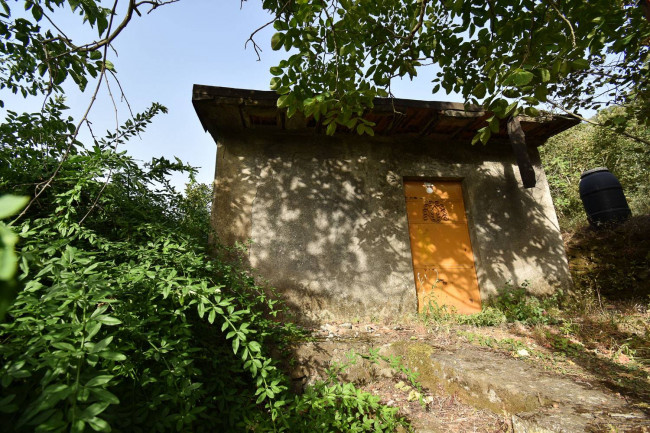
(566, 155)
(510, 305)
(489, 316)
(351, 410)
(124, 322)
(440, 313)
(9, 206)
(516, 304)
(610, 262)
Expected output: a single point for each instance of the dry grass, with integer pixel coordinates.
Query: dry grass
(438, 410)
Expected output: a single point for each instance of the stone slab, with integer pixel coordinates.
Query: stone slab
(539, 400)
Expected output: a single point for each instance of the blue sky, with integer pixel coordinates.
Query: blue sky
(161, 55)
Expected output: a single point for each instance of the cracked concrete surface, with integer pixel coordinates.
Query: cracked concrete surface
(535, 400)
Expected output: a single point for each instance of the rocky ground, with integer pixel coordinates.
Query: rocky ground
(452, 378)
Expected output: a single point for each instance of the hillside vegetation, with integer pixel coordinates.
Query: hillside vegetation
(612, 262)
(583, 147)
(122, 321)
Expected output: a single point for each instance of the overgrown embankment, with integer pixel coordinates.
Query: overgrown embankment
(612, 262)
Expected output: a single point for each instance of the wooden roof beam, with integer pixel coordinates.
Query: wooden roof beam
(518, 142)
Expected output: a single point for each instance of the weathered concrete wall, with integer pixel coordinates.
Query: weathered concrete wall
(327, 217)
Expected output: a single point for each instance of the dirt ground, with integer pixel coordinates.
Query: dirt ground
(581, 357)
(428, 410)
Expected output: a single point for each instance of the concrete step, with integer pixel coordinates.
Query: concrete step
(534, 400)
(538, 401)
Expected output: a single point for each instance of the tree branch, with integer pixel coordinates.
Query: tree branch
(250, 38)
(133, 7)
(41, 187)
(600, 125)
(565, 19)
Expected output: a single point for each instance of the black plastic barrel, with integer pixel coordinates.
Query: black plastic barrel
(603, 198)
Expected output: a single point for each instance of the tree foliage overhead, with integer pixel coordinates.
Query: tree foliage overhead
(37, 56)
(510, 55)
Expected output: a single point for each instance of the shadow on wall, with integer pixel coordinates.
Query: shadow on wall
(517, 232)
(326, 233)
(329, 226)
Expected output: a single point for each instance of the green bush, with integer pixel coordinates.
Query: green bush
(123, 321)
(440, 313)
(489, 316)
(584, 147)
(516, 304)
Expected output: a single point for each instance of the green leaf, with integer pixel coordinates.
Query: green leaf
(200, 308)
(78, 426)
(518, 78)
(8, 263)
(11, 205)
(93, 328)
(283, 101)
(64, 346)
(277, 40)
(545, 75)
(99, 310)
(108, 320)
(280, 25)
(261, 398)
(84, 394)
(541, 93)
(93, 410)
(113, 356)
(37, 12)
(254, 346)
(102, 24)
(510, 109)
(99, 380)
(494, 125)
(531, 111)
(484, 134)
(580, 64)
(105, 395)
(6, 405)
(498, 106)
(479, 91)
(99, 424)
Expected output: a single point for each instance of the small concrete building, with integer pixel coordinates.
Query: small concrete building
(356, 227)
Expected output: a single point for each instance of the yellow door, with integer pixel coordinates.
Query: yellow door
(443, 263)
